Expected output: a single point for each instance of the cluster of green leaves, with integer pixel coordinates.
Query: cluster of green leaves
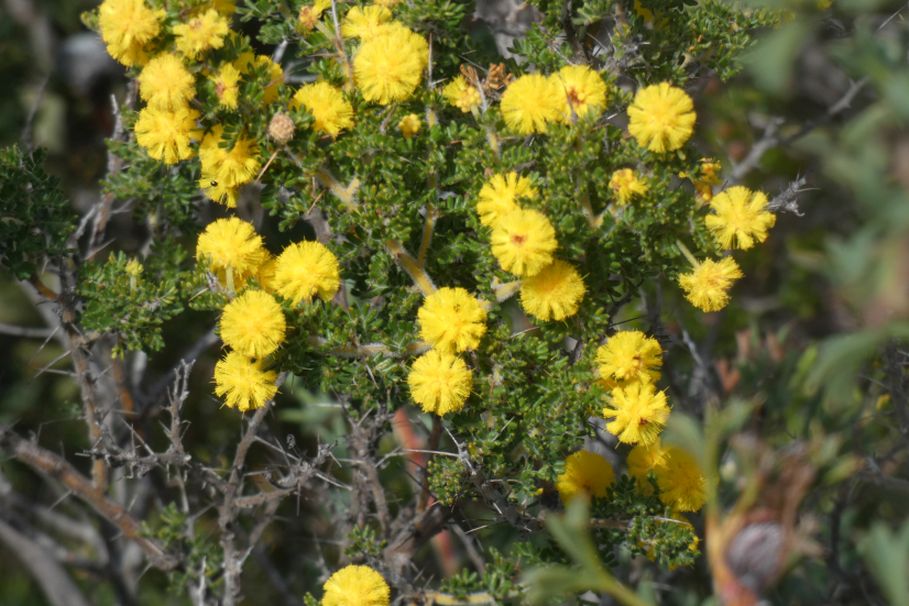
(202, 553)
(36, 219)
(132, 305)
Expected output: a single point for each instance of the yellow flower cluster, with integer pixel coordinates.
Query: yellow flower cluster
(253, 324)
(661, 117)
(533, 101)
(629, 363)
(739, 218)
(356, 585)
(389, 64)
(678, 476)
(523, 241)
(452, 321)
(462, 94)
(586, 474)
(225, 169)
(332, 112)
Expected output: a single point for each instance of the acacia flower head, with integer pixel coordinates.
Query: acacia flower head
(127, 27)
(200, 33)
(661, 117)
(363, 21)
(253, 324)
(451, 319)
(227, 85)
(499, 196)
(165, 83)
(630, 356)
(356, 586)
(554, 293)
(306, 270)
(740, 218)
(243, 383)
(440, 382)
(225, 169)
(586, 473)
(332, 112)
(523, 242)
(584, 92)
(409, 125)
(462, 94)
(531, 103)
(390, 64)
(680, 480)
(644, 459)
(707, 285)
(233, 245)
(625, 185)
(639, 413)
(167, 135)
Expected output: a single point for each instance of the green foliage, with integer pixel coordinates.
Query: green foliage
(133, 302)
(36, 219)
(364, 544)
(887, 555)
(201, 554)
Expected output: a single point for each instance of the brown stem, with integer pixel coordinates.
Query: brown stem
(50, 465)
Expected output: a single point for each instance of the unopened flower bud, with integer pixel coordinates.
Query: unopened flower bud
(281, 128)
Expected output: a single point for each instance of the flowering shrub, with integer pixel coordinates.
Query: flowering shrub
(477, 255)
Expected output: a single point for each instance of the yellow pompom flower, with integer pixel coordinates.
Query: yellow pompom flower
(201, 33)
(661, 117)
(253, 324)
(231, 245)
(523, 242)
(227, 85)
(586, 473)
(356, 586)
(332, 112)
(223, 170)
(531, 103)
(555, 293)
(167, 135)
(452, 320)
(740, 218)
(440, 382)
(707, 286)
(644, 459)
(584, 92)
(680, 480)
(499, 196)
(243, 383)
(310, 13)
(630, 356)
(363, 21)
(389, 65)
(306, 270)
(127, 26)
(462, 95)
(639, 412)
(409, 125)
(165, 83)
(625, 184)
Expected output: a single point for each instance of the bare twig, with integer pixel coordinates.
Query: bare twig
(51, 465)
